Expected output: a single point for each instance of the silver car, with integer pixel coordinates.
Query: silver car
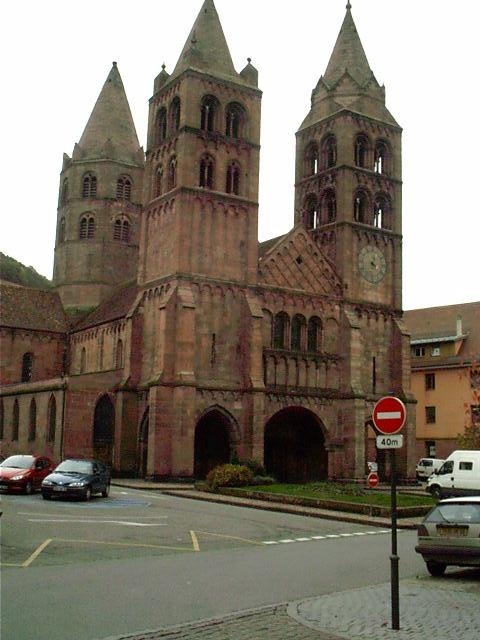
(450, 535)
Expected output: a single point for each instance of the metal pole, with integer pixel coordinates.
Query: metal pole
(394, 556)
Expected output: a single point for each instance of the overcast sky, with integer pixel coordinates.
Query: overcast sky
(56, 55)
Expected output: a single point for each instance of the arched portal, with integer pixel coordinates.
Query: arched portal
(103, 430)
(295, 447)
(143, 445)
(212, 442)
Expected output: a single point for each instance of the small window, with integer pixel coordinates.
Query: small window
(206, 172)
(51, 419)
(314, 334)
(121, 230)
(174, 115)
(329, 206)
(119, 354)
(430, 415)
(124, 189)
(161, 126)
(280, 326)
(465, 466)
(429, 381)
(311, 160)
(297, 330)
(61, 231)
(311, 214)
(435, 351)
(27, 367)
(329, 151)
(158, 187)
(87, 227)
(360, 207)
(233, 179)
(208, 113)
(15, 420)
(234, 120)
(64, 196)
(172, 173)
(83, 360)
(89, 186)
(380, 157)
(419, 352)
(361, 151)
(32, 423)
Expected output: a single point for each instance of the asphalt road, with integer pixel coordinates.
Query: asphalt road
(140, 560)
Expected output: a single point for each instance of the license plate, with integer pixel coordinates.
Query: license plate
(59, 488)
(447, 531)
(3, 486)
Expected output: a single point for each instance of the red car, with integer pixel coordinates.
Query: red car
(24, 472)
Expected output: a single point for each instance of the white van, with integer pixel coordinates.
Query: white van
(427, 466)
(459, 475)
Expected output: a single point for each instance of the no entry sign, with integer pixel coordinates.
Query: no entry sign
(373, 479)
(389, 415)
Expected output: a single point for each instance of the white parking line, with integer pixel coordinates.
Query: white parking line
(85, 521)
(328, 536)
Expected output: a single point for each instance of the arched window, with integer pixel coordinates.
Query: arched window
(297, 330)
(207, 170)
(51, 419)
(208, 113)
(360, 207)
(314, 334)
(27, 366)
(119, 354)
(233, 179)
(32, 421)
(121, 230)
(83, 360)
(280, 328)
(124, 188)
(172, 173)
(87, 226)
(2, 419)
(381, 212)
(174, 115)
(158, 186)
(361, 151)
(64, 195)
(89, 186)
(328, 206)
(311, 215)
(329, 151)
(161, 126)
(234, 120)
(61, 231)
(15, 420)
(381, 156)
(311, 160)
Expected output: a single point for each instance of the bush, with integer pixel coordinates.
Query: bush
(229, 475)
(256, 467)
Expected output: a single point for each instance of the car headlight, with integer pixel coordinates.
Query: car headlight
(79, 483)
(47, 483)
(19, 476)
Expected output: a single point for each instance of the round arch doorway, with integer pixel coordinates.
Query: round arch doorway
(294, 447)
(103, 430)
(212, 442)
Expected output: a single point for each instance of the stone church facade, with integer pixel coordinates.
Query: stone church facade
(173, 340)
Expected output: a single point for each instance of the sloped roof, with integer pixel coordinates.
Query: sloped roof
(114, 308)
(32, 309)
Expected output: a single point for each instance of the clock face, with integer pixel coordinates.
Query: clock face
(372, 264)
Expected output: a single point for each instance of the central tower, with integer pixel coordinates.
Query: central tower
(201, 185)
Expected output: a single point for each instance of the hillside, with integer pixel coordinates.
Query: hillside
(13, 271)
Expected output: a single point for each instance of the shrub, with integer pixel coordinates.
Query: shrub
(256, 467)
(229, 475)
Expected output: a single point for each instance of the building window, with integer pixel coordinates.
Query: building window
(329, 151)
(329, 206)
(121, 230)
(172, 173)
(419, 352)
(208, 112)
(124, 188)
(64, 194)
(87, 227)
(311, 215)
(51, 419)
(435, 351)
(430, 449)
(61, 231)
(360, 207)
(161, 126)
(314, 334)
(206, 172)
(89, 186)
(429, 381)
(32, 423)
(430, 415)
(119, 355)
(361, 151)
(175, 115)
(311, 160)
(233, 179)
(380, 157)
(298, 324)
(380, 212)
(15, 420)
(234, 120)
(158, 186)
(280, 327)
(27, 366)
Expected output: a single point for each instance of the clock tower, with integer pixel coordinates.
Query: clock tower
(348, 175)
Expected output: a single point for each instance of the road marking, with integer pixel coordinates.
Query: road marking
(196, 546)
(85, 521)
(36, 553)
(328, 536)
(224, 535)
(122, 544)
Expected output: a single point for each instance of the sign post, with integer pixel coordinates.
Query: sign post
(389, 417)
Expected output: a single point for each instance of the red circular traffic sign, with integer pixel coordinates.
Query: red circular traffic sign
(389, 415)
(373, 479)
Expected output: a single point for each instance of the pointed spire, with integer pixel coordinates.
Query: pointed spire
(206, 48)
(110, 129)
(348, 55)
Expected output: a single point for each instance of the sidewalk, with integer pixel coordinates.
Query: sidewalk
(443, 609)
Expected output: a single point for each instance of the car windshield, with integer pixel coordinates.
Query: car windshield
(75, 466)
(455, 513)
(18, 462)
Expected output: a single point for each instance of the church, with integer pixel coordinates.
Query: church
(172, 339)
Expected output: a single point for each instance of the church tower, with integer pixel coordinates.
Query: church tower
(201, 185)
(348, 175)
(100, 199)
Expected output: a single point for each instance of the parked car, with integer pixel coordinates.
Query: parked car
(427, 466)
(450, 534)
(24, 473)
(459, 475)
(77, 479)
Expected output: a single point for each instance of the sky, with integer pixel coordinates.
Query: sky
(56, 55)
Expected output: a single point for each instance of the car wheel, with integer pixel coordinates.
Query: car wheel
(88, 493)
(29, 488)
(436, 569)
(436, 491)
(106, 491)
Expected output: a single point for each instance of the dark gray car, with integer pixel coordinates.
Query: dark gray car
(77, 479)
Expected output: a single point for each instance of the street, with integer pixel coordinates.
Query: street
(142, 560)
